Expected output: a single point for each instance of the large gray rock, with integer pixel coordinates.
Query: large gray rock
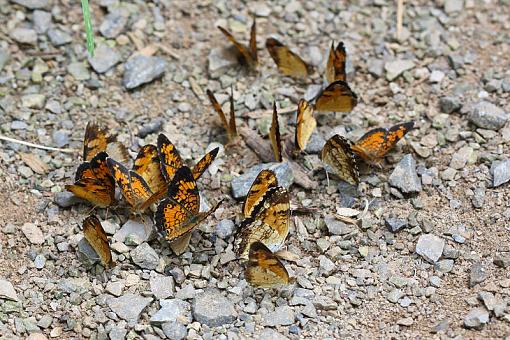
(104, 58)
(141, 70)
(129, 306)
(488, 116)
(430, 247)
(142, 232)
(145, 257)
(172, 310)
(241, 185)
(404, 177)
(213, 309)
(500, 171)
(42, 21)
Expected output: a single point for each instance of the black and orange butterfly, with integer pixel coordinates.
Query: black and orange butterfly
(248, 54)
(288, 62)
(230, 125)
(264, 269)
(178, 213)
(97, 139)
(96, 237)
(336, 97)
(335, 69)
(267, 215)
(338, 154)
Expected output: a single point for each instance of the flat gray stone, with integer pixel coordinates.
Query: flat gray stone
(162, 286)
(145, 257)
(59, 37)
(172, 310)
(33, 233)
(78, 70)
(397, 67)
(449, 104)
(488, 116)
(461, 157)
(7, 291)
(174, 330)
(477, 274)
(281, 316)
(105, 57)
(500, 171)
(221, 59)
(213, 309)
(65, 199)
(129, 306)
(224, 228)
(24, 35)
(430, 247)
(32, 4)
(476, 318)
(241, 184)
(42, 21)
(143, 232)
(141, 70)
(114, 23)
(395, 224)
(404, 176)
(452, 6)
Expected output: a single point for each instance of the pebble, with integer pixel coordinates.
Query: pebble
(142, 231)
(281, 316)
(397, 67)
(395, 224)
(4, 58)
(33, 101)
(477, 274)
(453, 6)
(241, 184)
(162, 286)
(260, 9)
(129, 306)
(476, 318)
(42, 21)
(65, 199)
(441, 326)
(24, 35)
(224, 228)
(7, 291)
(500, 171)
(185, 293)
(405, 321)
(115, 288)
(270, 334)
(105, 57)
(213, 309)
(444, 266)
(32, 4)
(404, 176)
(153, 126)
(502, 261)
(59, 37)
(326, 265)
(335, 226)
(78, 70)
(220, 59)
(449, 104)
(172, 310)
(86, 254)
(461, 157)
(487, 116)
(376, 67)
(39, 261)
(436, 76)
(60, 138)
(145, 257)
(315, 143)
(430, 247)
(394, 295)
(33, 233)
(141, 70)
(174, 330)
(113, 24)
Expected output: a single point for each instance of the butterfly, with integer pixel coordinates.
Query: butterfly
(337, 153)
(264, 268)
(148, 165)
(230, 126)
(288, 62)
(97, 139)
(96, 237)
(374, 144)
(93, 182)
(305, 124)
(269, 215)
(274, 135)
(248, 53)
(335, 69)
(133, 186)
(336, 97)
(178, 213)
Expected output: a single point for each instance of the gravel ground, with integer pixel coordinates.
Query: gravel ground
(430, 258)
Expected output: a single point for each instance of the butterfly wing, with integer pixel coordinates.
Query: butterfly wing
(288, 62)
(94, 191)
(148, 166)
(232, 124)
(335, 69)
(274, 135)
(337, 153)
(169, 157)
(337, 97)
(95, 140)
(96, 237)
(305, 125)
(203, 163)
(244, 51)
(265, 180)
(253, 41)
(264, 269)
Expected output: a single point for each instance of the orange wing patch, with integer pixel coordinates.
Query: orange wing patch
(230, 126)
(148, 166)
(288, 62)
(264, 269)
(169, 157)
(265, 180)
(248, 53)
(376, 143)
(96, 237)
(335, 69)
(338, 155)
(97, 139)
(274, 135)
(337, 97)
(305, 124)
(203, 163)
(133, 187)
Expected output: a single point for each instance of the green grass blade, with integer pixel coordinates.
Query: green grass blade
(88, 26)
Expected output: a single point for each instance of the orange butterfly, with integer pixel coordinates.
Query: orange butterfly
(376, 143)
(230, 126)
(248, 54)
(337, 153)
(274, 135)
(335, 69)
(96, 237)
(305, 124)
(288, 62)
(336, 97)
(148, 165)
(97, 139)
(264, 268)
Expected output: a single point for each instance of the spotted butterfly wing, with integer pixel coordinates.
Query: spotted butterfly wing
(338, 155)
(264, 269)
(335, 69)
(337, 97)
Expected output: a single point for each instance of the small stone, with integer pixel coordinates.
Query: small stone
(33, 233)
(174, 330)
(395, 224)
(241, 184)
(151, 127)
(45, 321)
(145, 257)
(184, 107)
(172, 310)
(281, 316)
(65, 199)
(105, 57)
(476, 318)
(461, 157)
(185, 293)
(33, 101)
(376, 67)
(452, 6)
(488, 300)
(394, 295)
(7, 291)
(78, 70)
(162, 286)
(335, 226)
(260, 9)
(60, 138)
(42, 21)
(487, 116)
(441, 326)
(39, 261)
(397, 67)
(502, 261)
(405, 321)
(326, 265)
(113, 24)
(436, 76)
(24, 35)
(32, 4)
(224, 228)
(449, 104)
(129, 306)
(500, 171)
(444, 266)
(213, 309)
(477, 275)
(430, 247)
(141, 69)
(132, 227)
(404, 176)
(59, 37)
(221, 59)
(115, 288)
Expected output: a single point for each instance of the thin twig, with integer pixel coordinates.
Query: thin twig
(400, 14)
(38, 146)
